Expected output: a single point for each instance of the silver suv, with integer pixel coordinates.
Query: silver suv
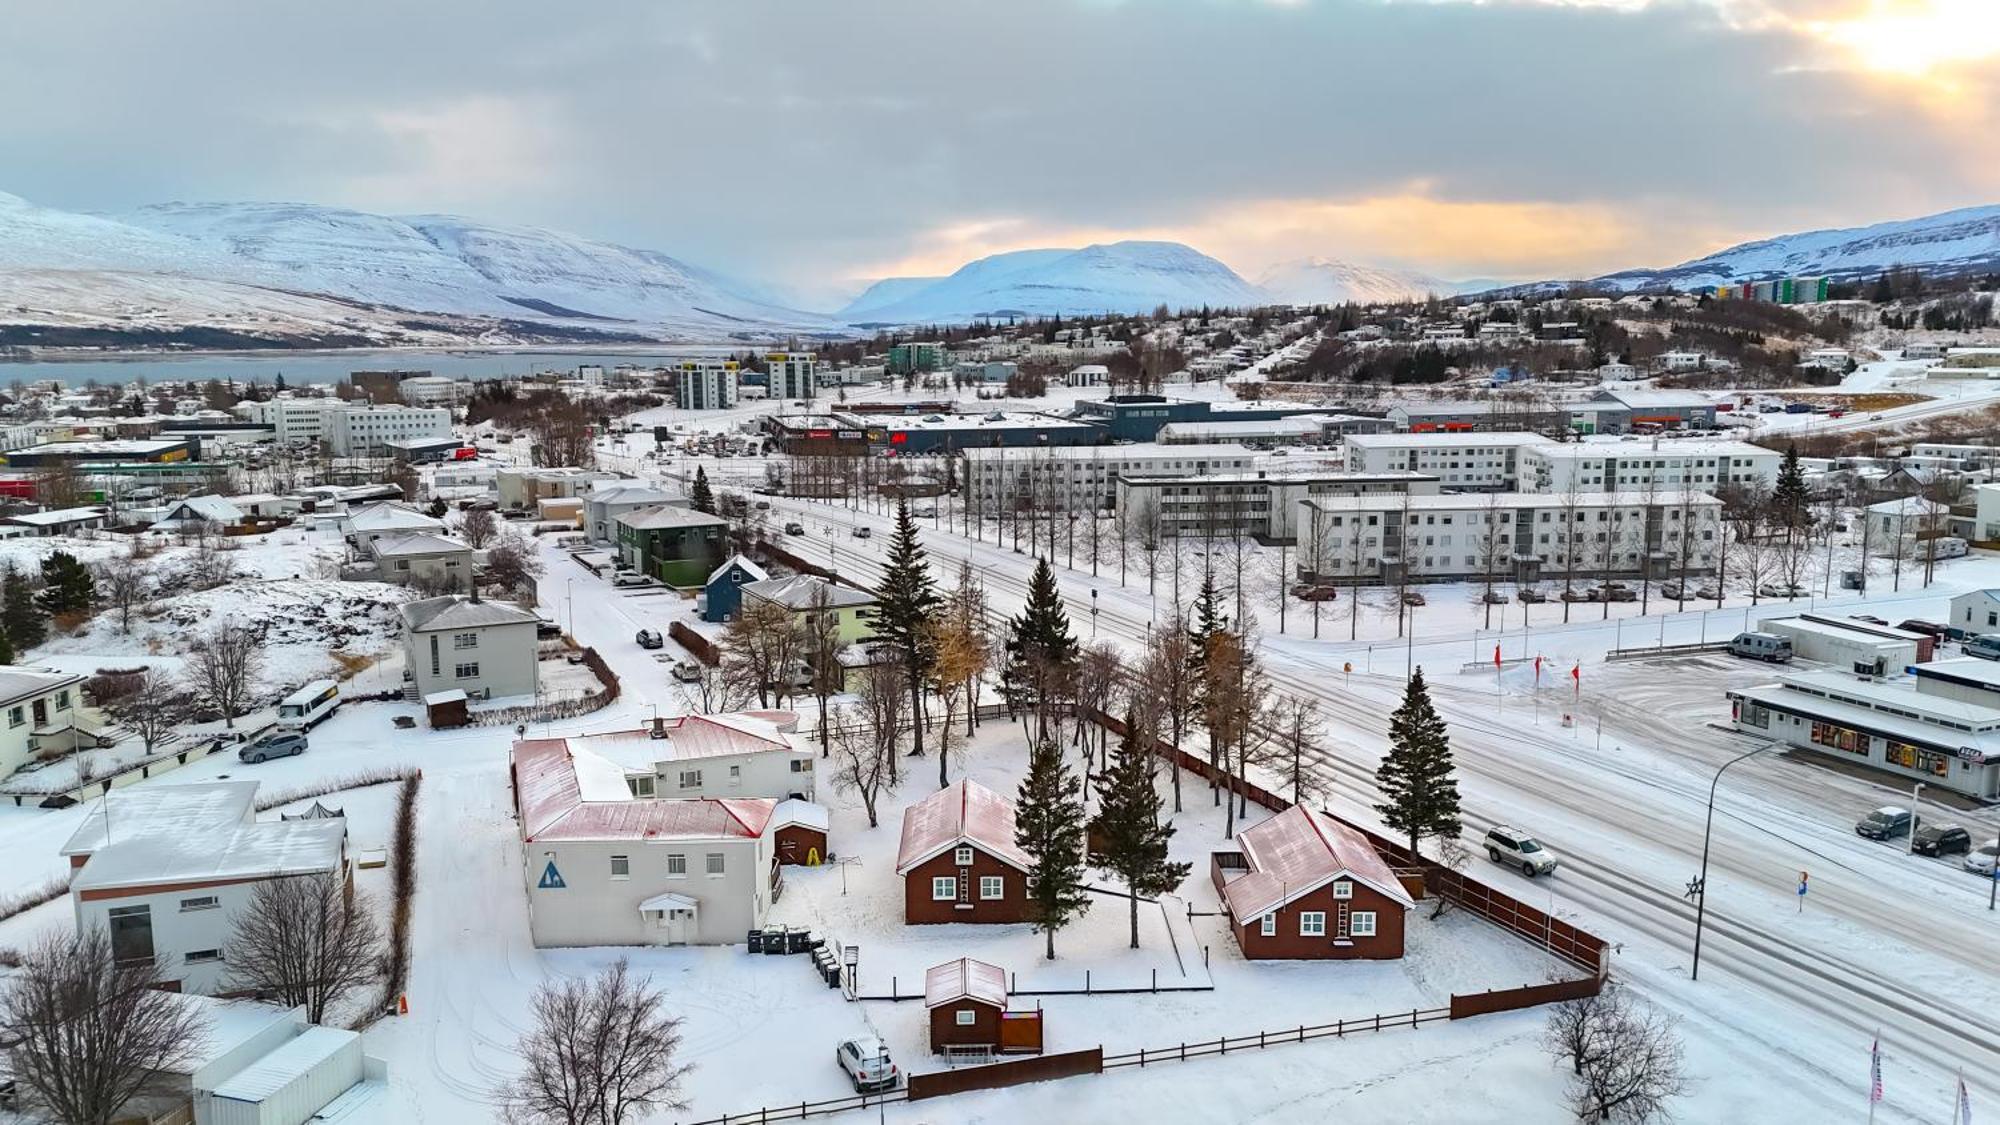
(1516, 848)
(866, 1061)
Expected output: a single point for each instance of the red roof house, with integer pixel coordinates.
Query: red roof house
(967, 1000)
(1304, 885)
(959, 861)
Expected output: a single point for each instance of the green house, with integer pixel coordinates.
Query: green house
(678, 546)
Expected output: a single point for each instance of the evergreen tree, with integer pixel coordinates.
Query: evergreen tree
(905, 601)
(22, 619)
(1041, 650)
(6, 649)
(1416, 775)
(1048, 826)
(67, 586)
(699, 494)
(1128, 823)
(1790, 495)
(1207, 620)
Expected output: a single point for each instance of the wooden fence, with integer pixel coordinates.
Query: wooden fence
(1529, 996)
(1014, 1072)
(703, 649)
(1339, 1029)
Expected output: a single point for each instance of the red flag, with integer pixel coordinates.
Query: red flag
(1576, 673)
(1538, 669)
(1496, 656)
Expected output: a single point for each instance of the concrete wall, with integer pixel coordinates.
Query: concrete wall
(593, 908)
(177, 932)
(768, 773)
(505, 655)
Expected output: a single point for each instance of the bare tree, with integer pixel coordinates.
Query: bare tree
(478, 528)
(123, 584)
(1570, 511)
(1625, 1059)
(715, 690)
(208, 565)
(1300, 727)
(1163, 688)
(602, 1052)
(886, 703)
(87, 1031)
(761, 650)
(1099, 671)
(307, 939)
(152, 707)
(512, 565)
(863, 756)
(821, 649)
(222, 668)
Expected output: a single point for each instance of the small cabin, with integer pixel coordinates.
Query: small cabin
(967, 1003)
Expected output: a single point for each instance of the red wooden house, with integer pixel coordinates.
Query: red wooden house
(958, 858)
(967, 1000)
(1304, 885)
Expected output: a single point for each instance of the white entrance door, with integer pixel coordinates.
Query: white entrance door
(679, 925)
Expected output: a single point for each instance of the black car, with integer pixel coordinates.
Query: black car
(795, 529)
(1927, 628)
(1941, 839)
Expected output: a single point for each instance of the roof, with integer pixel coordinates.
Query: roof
(793, 812)
(455, 611)
(205, 807)
(390, 516)
(18, 683)
(965, 979)
(667, 515)
(1908, 506)
(417, 543)
(1480, 501)
(214, 508)
(670, 901)
(1968, 670)
(197, 833)
(1400, 441)
(962, 812)
(286, 1063)
(1857, 631)
(688, 738)
(1297, 852)
(1654, 400)
(636, 494)
(553, 806)
(800, 590)
(227, 1025)
(57, 516)
(756, 572)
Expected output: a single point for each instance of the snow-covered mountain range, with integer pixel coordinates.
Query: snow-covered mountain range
(1952, 241)
(1325, 281)
(1110, 277)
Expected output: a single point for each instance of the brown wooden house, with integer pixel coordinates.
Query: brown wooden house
(1304, 885)
(967, 1000)
(958, 858)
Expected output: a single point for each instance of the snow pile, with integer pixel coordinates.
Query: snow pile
(1119, 277)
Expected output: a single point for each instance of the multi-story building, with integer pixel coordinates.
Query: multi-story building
(525, 488)
(916, 358)
(1086, 478)
(1620, 467)
(1482, 462)
(735, 755)
(434, 390)
(293, 421)
(794, 375)
(485, 649)
(41, 708)
(1513, 536)
(1262, 504)
(679, 546)
(706, 384)
(364, 431)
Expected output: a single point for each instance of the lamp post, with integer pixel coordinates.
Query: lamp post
(832, 557)
(569, 599)
(1093, 614)
(1699, 890)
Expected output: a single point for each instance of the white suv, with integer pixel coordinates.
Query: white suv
(1516, 848)
(866, 1061)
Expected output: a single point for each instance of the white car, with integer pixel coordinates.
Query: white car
(867, 1063)
(1980, 860)
(1515, 848)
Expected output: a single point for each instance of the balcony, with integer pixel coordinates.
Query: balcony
(1225, 866)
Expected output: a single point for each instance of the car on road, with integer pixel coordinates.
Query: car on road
(795, 529)
(1885, 823)
(1980, 859)
(1619, 594)
(867, 1063)
(628, 578)
(650, 638)
(1986, 646)
(1516, 848)
(285, 745)
(1493, 597)
(864, 533)
(1941, 839)
(927, 512)
(687, 672)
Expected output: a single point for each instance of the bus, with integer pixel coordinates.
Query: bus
(308, 705)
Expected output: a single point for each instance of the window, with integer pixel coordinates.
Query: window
(131, 933)
(992, 887)
(202, 902)
(62, 698)
(1268, 926)
(962, 857)
(466, 671)
(16, 716)
(203, 956)
(642, 786)
(715, 863)
(463, 641)
(402, 564)
(1343, 888)
(735, 775)
(677, 865)
(965, 1017)
(944, 888)
(621, 867)
(690, 779)
(1361, 924)
(1312, 923)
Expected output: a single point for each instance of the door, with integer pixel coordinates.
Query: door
(680, 926)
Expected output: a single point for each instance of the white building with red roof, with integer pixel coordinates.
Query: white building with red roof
(1304, 885)
(607, 867)
(958, 858)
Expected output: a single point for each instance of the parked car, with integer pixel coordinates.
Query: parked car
(285, 745)
(650, 638)
(1929, 629)
(795, 529)
(546, 630)
(927, 512)
(1980, 860)
(1867, 618)
(1493, 597)
(1985, 646)
(1941, 839)
(1620, 594)
(1307, 592)
(1780, 590)
(867, 1063)
(1709, 594)
(1885, 823)
(627, 578)
(763, 505)
(1762, 646)
(1516, 848)
(687, 672)
(1413, 597)
(1530, 596)
(864, 533)
(1674, 591)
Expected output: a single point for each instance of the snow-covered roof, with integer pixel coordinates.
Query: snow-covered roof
(962, 812)
(1297, 852)
(668, 515)
(227, 1025)
(554, 806)
(755, 572)
(670, 901)
(195, 808)
(417, 543)
(285, 1063)
(56, 517)
(1654, 399)
(391, 516)
(965, 979)
(196, 833)
(1404, 441)
(795, 813)
(455, 611)
(619, 492)
(214, 509)
(685, 738)
(800, 591)
(1908, 506)
(20, 683)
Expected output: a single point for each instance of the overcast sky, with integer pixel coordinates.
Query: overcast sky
(805, 141)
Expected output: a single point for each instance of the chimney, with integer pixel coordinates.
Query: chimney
(658, 728)
(472, 587)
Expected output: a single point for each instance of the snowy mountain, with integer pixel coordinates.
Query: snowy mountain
(1325, 281)
(1124, 277)
(1948, 242)
(218, 253)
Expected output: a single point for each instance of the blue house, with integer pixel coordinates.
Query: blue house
(722, 594)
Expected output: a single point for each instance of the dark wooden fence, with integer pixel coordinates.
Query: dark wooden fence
(1014, 1072)
(1257, 1040)
(1529, 996)
(703, 649)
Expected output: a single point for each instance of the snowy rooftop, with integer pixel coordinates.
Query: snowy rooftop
(965, 979)
(19, 683)
(1963, 669)
(804, 814)
(1298, 425)
(1392, 502)
(1579, 450)
(1656, 399)
(228, 1025)
(619, 492)
(800, 591)
(418, 543)
(687, 738)
(668, 515)
(1406, 441)
(390, 516)
(190, 833)
(56, 516)
(1111, 454)
(1303, 473)
(554, 806)
(1007, 420)
(964, 811)
(755, 572)
(454, 611)
(199, 808)
(1297, 852)
(1884, 704)
(285, 1063)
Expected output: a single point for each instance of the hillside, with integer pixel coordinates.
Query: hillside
(1325, 281)
(1952, 241)
(1118, 277)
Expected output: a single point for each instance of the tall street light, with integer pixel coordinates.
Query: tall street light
(1698, 890)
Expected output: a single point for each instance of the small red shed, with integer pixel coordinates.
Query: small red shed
(799, 828)
(967, 1000)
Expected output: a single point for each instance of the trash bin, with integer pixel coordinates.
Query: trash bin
(774, 939)
(756, 941)
(798, 941)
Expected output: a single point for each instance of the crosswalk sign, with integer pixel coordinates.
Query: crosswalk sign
(552, 879)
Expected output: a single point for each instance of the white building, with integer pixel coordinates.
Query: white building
(436, 562)
(1976, 611)
(528, 486)
(1681, 361)
(1489, 462)
(363, 431)
(484, 648)
(794, 375)
(1933, 727)
(1598, 466)
(40, 706)
(259, 1062)
(1263, 504)
(166, 869)
(705, 384)
(436, 390)
(1515, 536)
(386, 520)
(1893, 520)
(1085, 478)
(745, 754)
(1844, 642)
(292, 420)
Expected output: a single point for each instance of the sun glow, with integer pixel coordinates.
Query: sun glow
(1915, 37)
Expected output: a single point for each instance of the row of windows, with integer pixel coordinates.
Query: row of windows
(1312, 923)
(677, 865)
(944, 888)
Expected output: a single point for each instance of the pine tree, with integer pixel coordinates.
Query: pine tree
(67, 586)
(1416, 775)
(19, 615)
(904, 604)
(1207, 621)
(1790, 495)
(1041, 650)
(1128, 823)
(1048, 826)
(699, 494)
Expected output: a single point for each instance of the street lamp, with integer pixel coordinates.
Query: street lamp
(1093, 614)
(1698, 890)
(569, 599)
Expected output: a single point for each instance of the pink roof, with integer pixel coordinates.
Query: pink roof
(965, 979)
(553, 808)
(1299, 851)
(962, 812)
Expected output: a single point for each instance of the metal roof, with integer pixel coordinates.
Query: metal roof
(1299, 851)
(962, 812)
(553, 806)
(286, 1063)
(454, 611)
(965, 979)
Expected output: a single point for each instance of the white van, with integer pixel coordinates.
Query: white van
(1762, 646)
(308, 705)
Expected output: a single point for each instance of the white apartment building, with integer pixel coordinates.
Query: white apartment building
(705, 384)
(166, 869)
(1514, 536)
(742, 754)
(485, 649)
(362, 431)
(794, 375)
(1471, 461)
(292, 420)
(1262, 504)
(1627, 467)
(1085, 478)
(435, 390)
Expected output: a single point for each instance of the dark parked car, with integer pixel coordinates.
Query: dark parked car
(1927, 628)
(1531, 596)
(795, 529)
(272, 746)
(1885, 823)
(1941, 839)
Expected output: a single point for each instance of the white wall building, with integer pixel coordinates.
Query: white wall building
(794, 375)
(36, 705)
(1263, 504)
(1465, 461)
(436, 390)
(1085, 478)
(1704, 466)
(705, 384)
(292, 420)
(362, 431)
(484, 648)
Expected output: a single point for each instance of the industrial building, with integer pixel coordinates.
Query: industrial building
(1139, 417)
(1860, 646)
(1270, 433)
(156, 451)
(952, 433)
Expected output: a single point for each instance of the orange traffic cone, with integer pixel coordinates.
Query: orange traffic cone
(402, 1003)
